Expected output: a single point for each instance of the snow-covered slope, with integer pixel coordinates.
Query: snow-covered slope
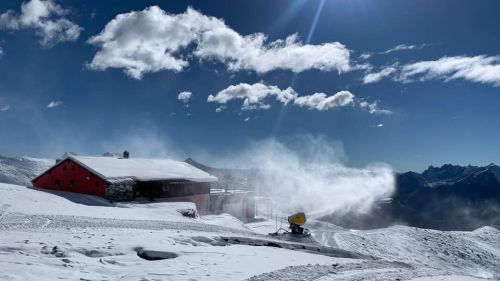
(21, 170)
(56, 235)
(34, 201)
(475, 253)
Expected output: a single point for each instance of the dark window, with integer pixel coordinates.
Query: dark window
(72, 168)
(96, 183)
(64, 168)
(58, 183)
(71, 183)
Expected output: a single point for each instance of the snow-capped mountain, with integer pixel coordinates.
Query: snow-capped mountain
(21, 170)
(450, 174)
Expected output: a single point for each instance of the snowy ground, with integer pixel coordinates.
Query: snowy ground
(60, 236)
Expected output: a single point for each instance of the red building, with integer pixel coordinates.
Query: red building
(128, 179)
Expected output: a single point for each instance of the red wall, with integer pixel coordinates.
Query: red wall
(67, 171)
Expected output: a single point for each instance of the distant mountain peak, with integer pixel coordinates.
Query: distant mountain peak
(449, 173)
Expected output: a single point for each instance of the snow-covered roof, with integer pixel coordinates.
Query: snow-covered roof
(142, 169)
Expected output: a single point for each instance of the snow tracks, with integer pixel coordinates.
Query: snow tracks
(18, 221)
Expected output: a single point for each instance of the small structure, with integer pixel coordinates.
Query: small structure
(128, 179)
(239, 203)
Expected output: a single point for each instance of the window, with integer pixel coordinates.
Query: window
(96, 183)
(58, 183)
(73, 168)
(64, 168)
(165, 188)
(71, 183)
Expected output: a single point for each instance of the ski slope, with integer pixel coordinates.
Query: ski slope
(65, 236)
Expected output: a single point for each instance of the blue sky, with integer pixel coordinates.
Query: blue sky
(408, 83)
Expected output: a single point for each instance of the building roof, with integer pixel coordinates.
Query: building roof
(141, 169)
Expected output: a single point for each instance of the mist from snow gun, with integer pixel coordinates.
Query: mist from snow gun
(308, 175)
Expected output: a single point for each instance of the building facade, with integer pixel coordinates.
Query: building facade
(126, 179)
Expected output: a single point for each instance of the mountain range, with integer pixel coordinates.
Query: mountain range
(449, 197)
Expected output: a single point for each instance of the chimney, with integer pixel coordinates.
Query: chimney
(125, 154)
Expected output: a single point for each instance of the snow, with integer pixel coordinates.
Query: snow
(447, 278)
(21, 170)
(114, 257)
(142, 168)
(264, 227)
(226, 220)
(19, 199)
(59, 235)
(473, 253)
(47, 237)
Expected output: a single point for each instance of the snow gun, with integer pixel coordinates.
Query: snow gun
(295, 229)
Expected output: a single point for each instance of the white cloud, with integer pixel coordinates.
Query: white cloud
(377, 76)
(184, 96)
(404, 47)
(480, 69)
(253, 96)
(373, 108)
(1, 52)
(153, 40)
(252, 53)
(54, 104)
(4, 108)
(246, 119)
(220, 108)
(46, 18)
(321, 102)
(148, 41)
(379, 125)
(365, 56)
